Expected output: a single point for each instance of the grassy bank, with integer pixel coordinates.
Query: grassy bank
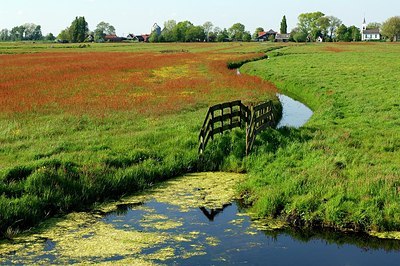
(342, 169)
(82, 125)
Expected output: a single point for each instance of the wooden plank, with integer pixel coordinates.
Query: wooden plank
(245, 109)
(207, 117)
(231, 126)
(262, 117)
(223, 118)
(202, 133)
(229, 104)
(262, 106)
(215, 108)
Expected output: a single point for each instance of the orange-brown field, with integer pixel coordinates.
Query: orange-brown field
(101, 82)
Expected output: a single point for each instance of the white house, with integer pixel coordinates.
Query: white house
(369, 35)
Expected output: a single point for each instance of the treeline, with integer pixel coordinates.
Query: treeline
(185, 31)
(26, 32)
(310, 27)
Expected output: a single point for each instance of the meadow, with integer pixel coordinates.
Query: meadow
(342, 169)
(81, 124)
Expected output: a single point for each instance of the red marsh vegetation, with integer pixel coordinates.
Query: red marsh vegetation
(99, 82)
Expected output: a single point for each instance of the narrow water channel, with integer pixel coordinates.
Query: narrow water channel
(294, 113)
(193, 220)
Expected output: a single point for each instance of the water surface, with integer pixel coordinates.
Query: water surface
(228, 237)
(294, 113)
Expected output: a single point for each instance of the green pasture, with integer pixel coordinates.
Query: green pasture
(342, 169)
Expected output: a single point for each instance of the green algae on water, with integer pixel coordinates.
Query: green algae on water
(85, 238)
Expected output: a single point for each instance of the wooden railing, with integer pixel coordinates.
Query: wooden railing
(220, 118)
(226, 116)
(262, 116)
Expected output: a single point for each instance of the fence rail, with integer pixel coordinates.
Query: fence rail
(220, 118)
(230, 115)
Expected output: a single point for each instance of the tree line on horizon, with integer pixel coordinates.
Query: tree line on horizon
(310, 27)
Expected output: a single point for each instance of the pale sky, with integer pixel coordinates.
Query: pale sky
(137, 17)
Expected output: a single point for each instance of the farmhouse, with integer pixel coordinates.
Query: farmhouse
(138, 38)
(265, 36)
(113, 38)
(369, 34)
(282, 37)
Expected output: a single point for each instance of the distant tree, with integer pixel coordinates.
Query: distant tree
(50, 37)
(5, 35)
(236, 31)
(65, 35)
(17, 33)
(354, 33)
(323, 24)
(292, 33)
(168, 32)
(308, 24)
(32, 32)
(195, 34)
(257, 31)
(181, 30)
(298, 36)
(207, 26)
(79, 30)
(37, 33)
(391, 28)
(212, 36)
(342, 34)
(246, 36)
(222, 35)
(284, 25)
(103, 29)
(154, 37)
(373, 25)
(334, 23)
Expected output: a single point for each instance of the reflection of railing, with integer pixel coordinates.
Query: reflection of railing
(213, 212)
(226, 116)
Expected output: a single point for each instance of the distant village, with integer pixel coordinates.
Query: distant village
(311, 27)
(335, 31)
(366, 34)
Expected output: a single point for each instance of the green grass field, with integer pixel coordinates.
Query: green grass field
(342, 169)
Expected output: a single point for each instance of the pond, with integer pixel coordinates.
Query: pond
(192, 220)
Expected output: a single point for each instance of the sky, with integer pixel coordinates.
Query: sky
(137, 17)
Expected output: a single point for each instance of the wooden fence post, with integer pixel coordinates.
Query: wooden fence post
(212, 125)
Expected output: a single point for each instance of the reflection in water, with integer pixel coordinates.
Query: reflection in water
(213, 212)
(239, 241)
(124, 208)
